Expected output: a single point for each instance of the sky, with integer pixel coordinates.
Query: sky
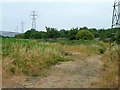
(60, 14)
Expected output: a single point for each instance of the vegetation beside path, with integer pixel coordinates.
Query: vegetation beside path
(32, 57)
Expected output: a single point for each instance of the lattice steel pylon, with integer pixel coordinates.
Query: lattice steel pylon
(22, 27)
(116, 14)
(34, 17)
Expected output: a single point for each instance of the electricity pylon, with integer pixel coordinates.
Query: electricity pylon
(22, 28)
(34, 17)
(116, 14)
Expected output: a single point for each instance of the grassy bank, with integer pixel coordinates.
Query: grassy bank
(26, 57)
(109, 76)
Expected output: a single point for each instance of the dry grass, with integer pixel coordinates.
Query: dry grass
(28, 58)
(23, 57)
(109, 77)
(89, 49)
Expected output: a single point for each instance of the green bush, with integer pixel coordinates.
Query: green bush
(85, 35)
(101, 51)
(66, 53)
(118, 37)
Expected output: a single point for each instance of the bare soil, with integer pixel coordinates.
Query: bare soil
(82, 72)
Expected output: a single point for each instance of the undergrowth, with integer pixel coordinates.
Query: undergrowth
(28, 58)
(83, 46)
(109, 77)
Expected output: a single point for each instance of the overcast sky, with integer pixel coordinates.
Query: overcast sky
(61, 14)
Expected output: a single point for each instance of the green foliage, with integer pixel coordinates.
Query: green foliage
(94, 32)
(27, 34)
(31, 58)
(63, 33)
(77, 42)
(35, 35)
(101, 51)
(52, 32)
(19, 36)
(31, 34)
(84, 28)
(65, 53)
(117, 36)
(72, 33)
(85, 35)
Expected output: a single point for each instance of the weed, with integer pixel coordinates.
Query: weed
(109, 77)
(12, 69)
(64, 53)
(101, 51)
(25, 71)
(29, 57)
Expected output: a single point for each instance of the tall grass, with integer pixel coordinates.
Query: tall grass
(25, 57)
(109, 77)
(83, 46)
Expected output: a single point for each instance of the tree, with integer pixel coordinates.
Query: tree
(117, 36)
(94, 32)
(72, 33)
(27, 34)
(84, 34)
(35, 35)
(63, 33)
(52, 32)
(84, 28)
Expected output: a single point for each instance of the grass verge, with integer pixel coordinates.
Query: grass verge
(28, 58)
(109, 76)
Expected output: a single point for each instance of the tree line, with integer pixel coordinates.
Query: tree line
(72, 34)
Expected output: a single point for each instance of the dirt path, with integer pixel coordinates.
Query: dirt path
(83, 72)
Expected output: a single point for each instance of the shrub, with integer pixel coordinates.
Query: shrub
(118, 37)
(101, 51)
(27, 34)
(85, 35)
(19, 36)
(66, 53)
